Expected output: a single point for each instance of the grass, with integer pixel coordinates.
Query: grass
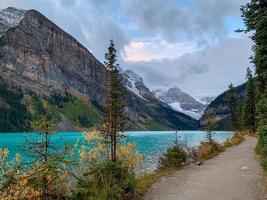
(153, 125)
(73, 109)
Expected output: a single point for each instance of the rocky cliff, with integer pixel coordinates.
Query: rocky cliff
(40, 58)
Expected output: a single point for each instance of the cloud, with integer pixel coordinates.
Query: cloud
(210, 69)
(188, 43)
(202, 20)
(155, 49)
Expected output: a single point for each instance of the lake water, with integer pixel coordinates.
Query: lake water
(152, 144)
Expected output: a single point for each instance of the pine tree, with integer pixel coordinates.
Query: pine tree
(114, 121)
(250, 103)
(210, 127)
(232, 103)
(50, 162)
(254, 15)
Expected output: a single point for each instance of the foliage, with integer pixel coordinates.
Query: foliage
(209, 128)
(107, 180)
(115, 118)
(208, 150)
(236, 139)
(174, 157)
(59, 99)
(80, 113)
(49, 172)
(85, 121)
(250, 103)
(262, 141)
(14, 183)
(13, 113)
(254, 15)
(232, 102)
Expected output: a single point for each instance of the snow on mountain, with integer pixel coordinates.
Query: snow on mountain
(181, 101)
(10, 17)
(135, 83)
(192, 113)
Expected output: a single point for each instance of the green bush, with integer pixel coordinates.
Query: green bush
(264, 164)
(107, 181)
(174, 157)
(262, 141)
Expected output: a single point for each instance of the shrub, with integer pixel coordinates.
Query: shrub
(262, 141)
(264, 164)
(208, 150)
(236, 139)
(107, 181)
(174, 157)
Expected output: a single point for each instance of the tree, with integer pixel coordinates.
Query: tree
(232, 102)
(209, 128)
(114, 121)
(254, 15)
(49, 173)
(250, 103)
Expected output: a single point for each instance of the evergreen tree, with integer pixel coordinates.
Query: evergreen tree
(232, 102)
(210, 127)
(254, 15)
(115, 119)
(49, 166)
(250, 103)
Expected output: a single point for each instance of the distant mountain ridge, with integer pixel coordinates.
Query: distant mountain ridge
(181, 101)
(39, 58)
(219, 110)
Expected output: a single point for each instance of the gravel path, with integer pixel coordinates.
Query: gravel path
(233, 175)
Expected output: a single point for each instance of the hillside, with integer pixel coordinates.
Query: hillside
(219, 109)
(41, 60)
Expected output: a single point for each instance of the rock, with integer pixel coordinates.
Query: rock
(38, 57)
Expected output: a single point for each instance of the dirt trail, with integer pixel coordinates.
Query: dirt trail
(233, 175)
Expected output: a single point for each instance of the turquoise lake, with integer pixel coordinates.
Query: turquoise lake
(152, 144)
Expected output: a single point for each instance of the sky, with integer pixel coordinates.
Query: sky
(191, 44)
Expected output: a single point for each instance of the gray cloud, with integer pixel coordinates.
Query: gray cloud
(203, 21)
(211, 69)
(94, 22)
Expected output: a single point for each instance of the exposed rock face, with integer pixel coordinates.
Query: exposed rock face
(135, 84)
(38, 57)
(181, 101)
(219, 110)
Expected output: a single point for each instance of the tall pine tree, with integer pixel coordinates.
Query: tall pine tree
(254, 15)
(250, 103)
(115, 119)
(232, 103)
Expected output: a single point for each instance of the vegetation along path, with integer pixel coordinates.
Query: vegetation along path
(233, 175)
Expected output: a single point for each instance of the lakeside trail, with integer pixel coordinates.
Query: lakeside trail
(232, 175)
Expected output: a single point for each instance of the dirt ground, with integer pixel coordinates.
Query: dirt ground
(233, 175)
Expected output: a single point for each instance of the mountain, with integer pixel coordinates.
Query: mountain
(219, 109)
(181, 101)
(48, 65)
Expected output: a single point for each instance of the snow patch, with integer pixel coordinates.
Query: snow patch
(192, 113)
(131, 87)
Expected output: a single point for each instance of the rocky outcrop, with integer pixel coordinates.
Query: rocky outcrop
(38, 57)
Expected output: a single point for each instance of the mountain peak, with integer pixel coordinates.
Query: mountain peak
(133, 76)
(181, 101)
(10, 17)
